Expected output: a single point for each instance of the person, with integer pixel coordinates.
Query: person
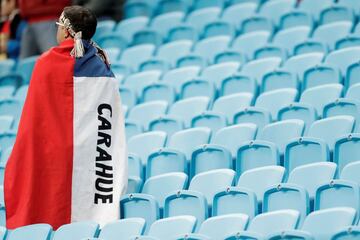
(69, 161)
(39, 35)
(11, 29)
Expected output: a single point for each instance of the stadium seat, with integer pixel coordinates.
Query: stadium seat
(169, 183)
(198, 87)
(159, 92)
(192, 60)
(104, 27)
(147, 36)
(236, 13)
(192, 236)
(245, 235)
(323, 224)
(135, 55)
(6, 122)
(183, 32)
(320, 75)
(209, 157)
(113, 41)
(165, 7)
(219, 227)
(120, 71)
(352, 71)
(7, 66)
(340, 126)
(149, 143)
(211, 182)
(164, 229)
(346, 150)
(7, 140)
(165, 124)
(296, 18)
(257, 23)
(3, 233)
(128, 96)
(260, 179)
(300, 63)
(210, 119)
(350, 172)
(343, 58)
(134, 185)
(35, 231)
(258, 68)
(134, 166)
(155, 64)
(350, 4)
(125, 228)
(348, 41)
(302, 111)
(138, 81)
(166, 161)
(257, 116)
(217, 72)
(282, 132)
(218, 28)
(77, 230)
(232, 200)
(291, 235)
(178, 76)
(146, 112)
(320, 96)
(286, 196)
(238, 83)
(289, 38)
(128, 27)
(186, 202)
(132, 129)
(254, 154)
(173, 51)
(353, 92)
(136, 9)
(270, 222)
(199, 18)
(164, 22)
(332, 32)
(270, 50)
(275, 9)
(247, 43)
(315, 7)
(5, 154)
(199, 4)
(230, 56)
(305, 150)
(6, 92)
(25, 67)
(180, 109)
(336, 13)
(350, 232)
(310, 46)
(137, 205)
(208, 48)
(311, 176)
(279, 79)
(21, 93)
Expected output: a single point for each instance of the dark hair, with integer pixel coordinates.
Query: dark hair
(82, 19)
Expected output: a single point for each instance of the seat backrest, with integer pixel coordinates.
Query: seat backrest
(178, 76)
(353, 92)
(257, 68)
(249, 42)
(350, 172)
(300, 63)
(332, 32)
(32, 232)
(164, 229)
(321, 75)
(174, 50)
(343, 58)
(76, 230)
(351, 75)
(275, 9)
(124, 227)
(128, 27)
(135, 55)
(199, 18)
(289, 38)
(230, 104)
(236, 13)
(138, 81)
(208, 48)
(217, 72)
(146, 112)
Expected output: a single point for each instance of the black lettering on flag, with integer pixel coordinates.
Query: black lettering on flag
(103, 155)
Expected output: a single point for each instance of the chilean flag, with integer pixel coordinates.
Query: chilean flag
(69, 161)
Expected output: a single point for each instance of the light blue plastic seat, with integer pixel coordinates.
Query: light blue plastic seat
(7, 66)
(305, 150)
(350, 172)
(350, 78)
(353, 92)
(192, 236)
(138, 205)
(104, 27)
(25, 67)
(164, 161)
(146, 112)
(6, 122)
(219, 227)
(211, 182)
(337, 13)
(315, 7)
(138, 81)
(134, 185)
(3, 233)
(323, 224)
(260, 179)
(198, 87)
(300, 63)
(134, 166)
(199, 4)
(128, 96)
(112, 40)
(343, 58)
(132, 128)
(340, 126)
(120, 71)
(112, 53)
(21, 93)
(310, 46)
(147, 36)
(238, 83)
(217, 72)
(275, 9)
(322, 95)
(348, 41)
(218, 28)
(302, 111)
(347, 150)
(125, 228)
(246, 235)
(296, 18)
(5, 154)
(159, 92)
(6, 91)
(166, 124)
(287, 196)
(350, 4)
(279, 79)
(311, 176)
(291, 235)
(275, 221)
(208, 48)
(164, 22)
(165, 7)
(230, 56)
(271, 50)
(149, 142)
(31, 232)
(7, 140)
(186, 202)
(127, 27)
(235, 200)
(257, 23)
(166, 228)
(144, 238)
(289, 38)
(178, 76)
(155, 64)
(180, 109)
(161, 185)
(320, 75)
(173, 51)
(347, 233)
(332, 32)
(210, 119)
(258, 68)
(77, 230)
(236, 13)
(183, 32)
(200, 17)
(135, 55)
(192, 60)
(134, 9)
(259, 117)
(247, 43)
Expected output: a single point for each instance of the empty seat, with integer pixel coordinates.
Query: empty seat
(183, 32)
(332, 32)
(137, 8)
(172, 51)
(351, 232)
(321, 75)
(353, 92)
(166, 228)
(199, 4)
(302, 111)
(7, 140)
(199, 18)
(208, 48)
(154, 64)
(11, 107)
(111, 41)
(323, 224)
(77, 230)
(146, 112)
(198, 88)
(315, 7)
(178, 76)
(124, 228)
(238, 83)
(236, 13)
(300, 63)
(230, 56)
(336, 13)
(128, 27)
(289, 38)
(138, 81)
(310, 46)
(271, 50)
(210, 119)
(7, 66)
(135, 55)
(149, 142)
(165, 124)
(192, 60)
(249, 42)
(351, 75)
(279, 79)
(218, 28)
(291, 235)
(165, 161)
(134, 184)
(311, 176)
(132, 129)
(165, 7)
(6, 123)
(128, 96)
(296, 18)
(350, 172)
(159, 92)
(245, 235)
(166, 21)
(217, 72)
(275, 9)
(347, 150)
(258, 68)
(260, 117)
(260, 179)
(25, 67)
(343, 58)
(348, 41)
(35, 231)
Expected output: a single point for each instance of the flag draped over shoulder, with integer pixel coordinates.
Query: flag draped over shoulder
(69, 161)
